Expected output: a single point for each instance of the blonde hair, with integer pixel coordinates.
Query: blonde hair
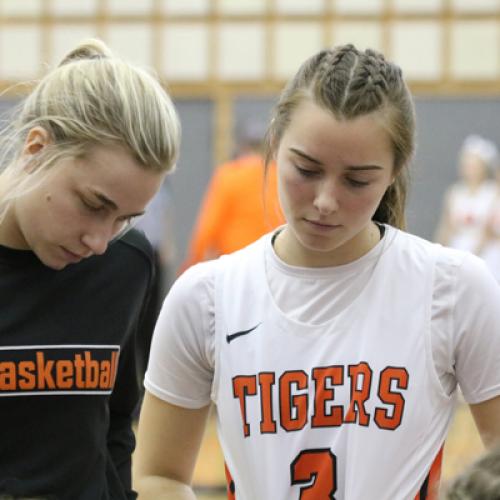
(92, 98)
(351, 83)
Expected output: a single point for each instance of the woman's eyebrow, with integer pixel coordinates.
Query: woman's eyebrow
(104, 199)
(305, 156)
(300, 153)
(365, 167)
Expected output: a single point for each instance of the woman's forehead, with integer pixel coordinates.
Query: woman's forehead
(319, 132)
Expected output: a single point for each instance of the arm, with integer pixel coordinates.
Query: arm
(179, 371)
(487, 418)
(169, 440)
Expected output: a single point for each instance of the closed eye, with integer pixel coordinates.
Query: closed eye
(91, 207)
(356, 183)
(304, 172)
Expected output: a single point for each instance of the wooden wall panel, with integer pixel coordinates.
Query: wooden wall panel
(222, 49)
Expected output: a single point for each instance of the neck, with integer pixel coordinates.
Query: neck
(290, 250)
(10, 235)
(474, 186)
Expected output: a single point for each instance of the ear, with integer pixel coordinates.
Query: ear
(36, 140)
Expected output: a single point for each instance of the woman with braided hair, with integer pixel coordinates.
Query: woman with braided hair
(332, 348)
(83, 155)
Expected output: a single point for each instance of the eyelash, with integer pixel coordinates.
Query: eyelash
(95, 210)
(308, 174)
(357, 184)
(127, 220)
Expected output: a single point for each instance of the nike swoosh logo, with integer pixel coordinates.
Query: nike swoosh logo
(233, 336)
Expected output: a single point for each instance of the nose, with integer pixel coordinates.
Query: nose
(96, 241)
(326, 197)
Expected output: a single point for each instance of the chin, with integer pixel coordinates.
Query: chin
(55, 265)
(51, 262)
(320, 243)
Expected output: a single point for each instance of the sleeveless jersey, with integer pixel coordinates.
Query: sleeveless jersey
(348, 410)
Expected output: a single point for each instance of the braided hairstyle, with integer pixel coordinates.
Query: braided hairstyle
(351, 83)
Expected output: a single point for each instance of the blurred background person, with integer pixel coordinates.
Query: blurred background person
(468, 202)
(240, 203)
(480, 481)
(489, 242)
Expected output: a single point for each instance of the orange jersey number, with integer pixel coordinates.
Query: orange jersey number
(316, 469)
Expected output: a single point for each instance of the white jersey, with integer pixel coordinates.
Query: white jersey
(352, 408)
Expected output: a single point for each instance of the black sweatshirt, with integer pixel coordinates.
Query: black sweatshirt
(68, 383)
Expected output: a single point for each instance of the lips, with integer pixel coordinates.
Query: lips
(72, 257)
(322, 225)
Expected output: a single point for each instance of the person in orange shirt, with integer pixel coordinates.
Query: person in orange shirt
(240, 204)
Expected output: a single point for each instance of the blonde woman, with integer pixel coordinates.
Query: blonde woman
(85, 152)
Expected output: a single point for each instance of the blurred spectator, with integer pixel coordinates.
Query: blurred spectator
(239, 205)
(489, 243)
(468, 202)
(481, 481)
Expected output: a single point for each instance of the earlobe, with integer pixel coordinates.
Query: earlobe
(36, 140)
